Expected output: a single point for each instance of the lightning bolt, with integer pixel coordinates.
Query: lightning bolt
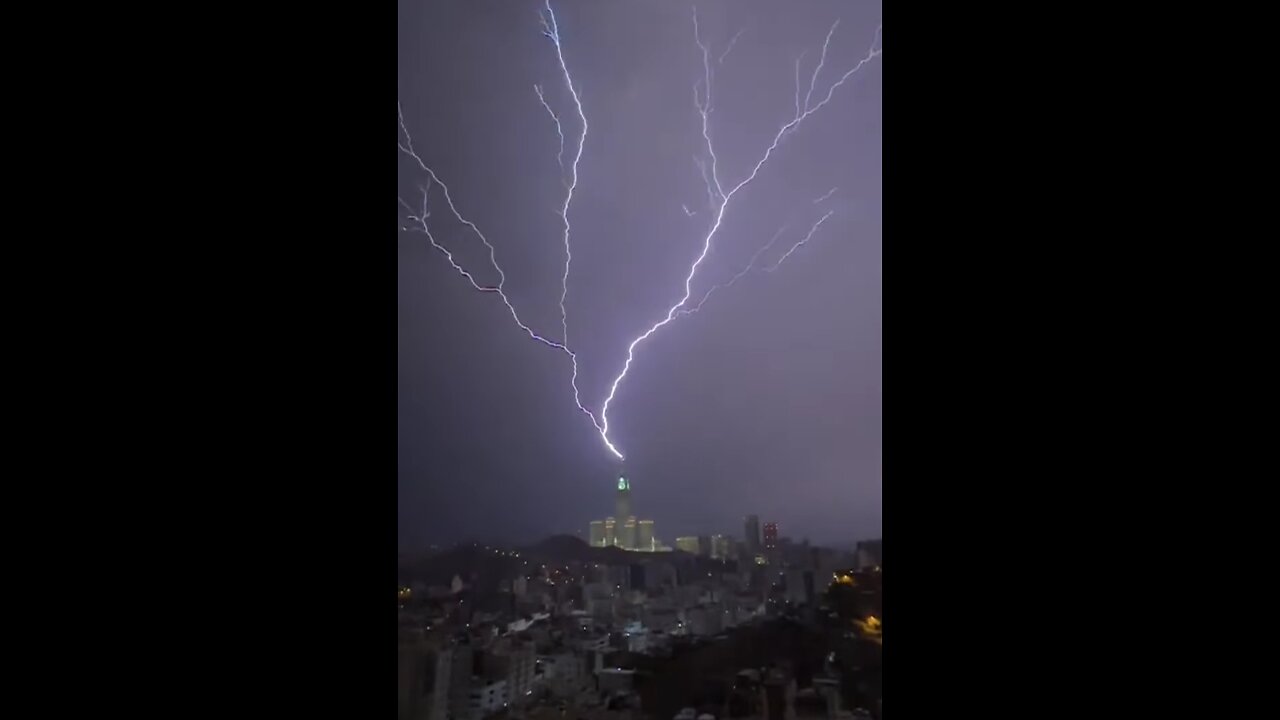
(830, 192)
(821, 61)
(798, 82)
(559, 131)
(421, 221)
(704, 109)
(552, 30)
(726, 285)
(729, 49)
(719, 200)
(711, 190)
(803, 240)
(751, 264)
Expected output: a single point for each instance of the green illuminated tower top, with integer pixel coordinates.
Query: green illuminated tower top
(622, 504)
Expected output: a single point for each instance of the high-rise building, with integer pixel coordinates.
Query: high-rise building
(688, 544)
(770, 535)
(625, 530)
(511, 661)
(704, 545)
(644, 536)
(868, 553)
(752, 534)
(462, 666)
(622, 503)
(627, 538)
(424, 680)
(721, 547)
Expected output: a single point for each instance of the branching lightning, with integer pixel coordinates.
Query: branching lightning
(751, 264)
(830, 192)
(743, 273)
(704, 109)
(421, 220)
(718, 198)
(421, 225)
(803, 240)
(552, 30)
(559, 131)
(729, 49)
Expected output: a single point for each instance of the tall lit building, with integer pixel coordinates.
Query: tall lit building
(752, 534)
(622, 504)
(770, 535)
(688, 544)
(624, 529)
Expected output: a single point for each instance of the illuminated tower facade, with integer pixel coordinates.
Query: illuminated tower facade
(624, 529)
(622, 504)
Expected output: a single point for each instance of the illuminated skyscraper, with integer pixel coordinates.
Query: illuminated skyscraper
(622, 504)
(624, 529)
(688, 544)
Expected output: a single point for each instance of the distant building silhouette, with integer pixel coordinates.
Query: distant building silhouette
(721, 547)
(644, 536)
(704, 545)
(770, 535)
(868, 554)
(751, 534)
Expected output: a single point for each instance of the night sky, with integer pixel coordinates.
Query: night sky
(768, 401)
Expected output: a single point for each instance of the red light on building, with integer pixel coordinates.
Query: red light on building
(771, 535)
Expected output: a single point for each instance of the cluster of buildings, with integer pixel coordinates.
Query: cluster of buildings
(623, 529)
(760, 545)
(558, 637)
(564, 636)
